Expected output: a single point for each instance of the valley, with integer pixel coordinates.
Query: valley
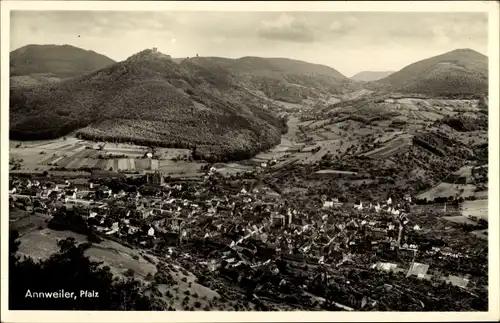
(215, 184)
(319, 157)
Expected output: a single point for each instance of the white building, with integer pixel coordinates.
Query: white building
(328, 204)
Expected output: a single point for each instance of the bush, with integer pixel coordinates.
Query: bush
(94, 238)
(129, 272)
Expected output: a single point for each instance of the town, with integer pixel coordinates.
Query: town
(261, 160)
(239, 230)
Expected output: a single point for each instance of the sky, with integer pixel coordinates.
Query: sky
(350, 42)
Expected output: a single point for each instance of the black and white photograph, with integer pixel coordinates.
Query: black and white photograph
(272, 158)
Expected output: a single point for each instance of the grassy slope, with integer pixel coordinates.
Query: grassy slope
(39, 242)
(148, 99)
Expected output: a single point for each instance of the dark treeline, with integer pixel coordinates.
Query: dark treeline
(463, 123)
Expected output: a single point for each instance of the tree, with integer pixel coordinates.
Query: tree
(70, 270)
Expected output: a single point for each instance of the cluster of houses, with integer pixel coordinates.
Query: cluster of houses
(248, 222)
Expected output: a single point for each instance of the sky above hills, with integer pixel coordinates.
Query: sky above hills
(347, 41)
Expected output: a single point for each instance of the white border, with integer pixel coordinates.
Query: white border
(444, 6)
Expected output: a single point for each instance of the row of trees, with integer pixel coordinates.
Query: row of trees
(464, 123)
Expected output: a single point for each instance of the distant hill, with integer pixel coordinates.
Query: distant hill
(61, 61)
(148, 99)
(285, 79)
(368, 76)
(456, 73)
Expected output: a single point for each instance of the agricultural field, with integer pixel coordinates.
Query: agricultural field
(318, 124)
(328, 134)
(169, 167)
(446, 190)
(333, 171)
(385, 137)
(477, 208)
(481, 195)
(459, 219)
(430, 109)
(72, 153)
(465, 176)
(451, 209)
(473, 137)
(391, 147)
(326, 146)
(233, 168)
(482, 234)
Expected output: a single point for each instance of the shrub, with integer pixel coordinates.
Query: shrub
(129, 272)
